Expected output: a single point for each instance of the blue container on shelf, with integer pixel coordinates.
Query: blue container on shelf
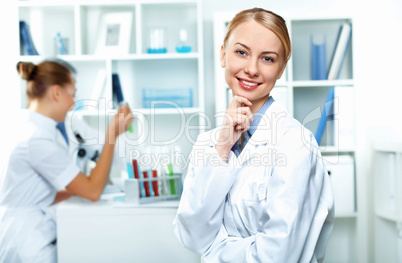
(167, 98)
(156, 50)
(183, 49)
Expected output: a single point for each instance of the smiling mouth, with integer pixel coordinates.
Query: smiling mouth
(248, 84)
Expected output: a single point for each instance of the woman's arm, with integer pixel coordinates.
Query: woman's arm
(210, 176)
(91, 187)
(200, 213)
(62, 196)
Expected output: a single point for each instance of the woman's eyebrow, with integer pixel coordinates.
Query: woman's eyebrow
(248, 49)
(243, 45)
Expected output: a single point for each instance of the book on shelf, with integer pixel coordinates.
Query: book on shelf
(26, 41)
(118, 95)
(318, 57)
(325, 115)
(117, 90)
(341, 48)
(60, 44)
(338, 118)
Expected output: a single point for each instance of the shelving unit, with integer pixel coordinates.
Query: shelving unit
(79, 21)
(304, 98)
(387, 182)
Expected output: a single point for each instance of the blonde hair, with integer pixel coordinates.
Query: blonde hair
(268, 19)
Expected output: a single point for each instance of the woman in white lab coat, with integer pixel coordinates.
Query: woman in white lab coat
(38, 170)
(256, 188)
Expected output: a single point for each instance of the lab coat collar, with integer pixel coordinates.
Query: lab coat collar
(40, 119)
(267, 131)
(47, 124)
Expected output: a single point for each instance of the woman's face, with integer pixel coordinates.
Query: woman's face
(253, 59)
(68, 91)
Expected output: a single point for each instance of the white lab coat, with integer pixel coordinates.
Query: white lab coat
(36, 167)
(273, 203)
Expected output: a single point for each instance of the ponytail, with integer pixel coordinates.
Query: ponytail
(40, 77)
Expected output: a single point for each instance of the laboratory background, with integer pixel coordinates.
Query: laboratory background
(343, 82)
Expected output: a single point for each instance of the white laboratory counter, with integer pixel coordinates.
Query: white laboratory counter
(110, 231)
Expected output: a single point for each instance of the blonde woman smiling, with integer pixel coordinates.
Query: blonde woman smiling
(247, 208)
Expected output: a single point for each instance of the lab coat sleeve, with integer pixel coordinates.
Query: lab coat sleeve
(52, 162)
(299, 199)
(206, 185)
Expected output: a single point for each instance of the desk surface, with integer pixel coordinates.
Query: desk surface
(108, 231)
(108, 201)
(77, 202)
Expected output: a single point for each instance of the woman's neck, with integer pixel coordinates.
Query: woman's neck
(37, 106)
(257, 104)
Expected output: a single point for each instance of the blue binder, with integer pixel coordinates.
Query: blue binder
(318, 60)
(118, 92)
(326, 113)
(26, 39)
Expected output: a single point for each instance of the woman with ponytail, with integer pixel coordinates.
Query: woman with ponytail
(38, 170)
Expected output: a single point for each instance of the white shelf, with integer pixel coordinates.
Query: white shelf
(335, 150)
(157, 56)
(322, 83)
(35, 3)
(104, 2)
(133, 57)
(143, 111)
(65, 57)
(45, 3)
(168, 111)
(387, 146)
(346, 215)
(387, 215)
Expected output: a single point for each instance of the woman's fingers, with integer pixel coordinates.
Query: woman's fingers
(128, 115)
(242, 120)
(239, 101)
(122, 120)
(239, 116)
(237, 120)
(246, 112)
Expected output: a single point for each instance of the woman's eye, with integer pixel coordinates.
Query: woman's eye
(241, 52)
(268, 59)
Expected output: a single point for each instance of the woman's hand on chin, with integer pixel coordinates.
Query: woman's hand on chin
(236, 121)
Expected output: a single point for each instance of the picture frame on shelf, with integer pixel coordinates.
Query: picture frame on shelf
(114, 33)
